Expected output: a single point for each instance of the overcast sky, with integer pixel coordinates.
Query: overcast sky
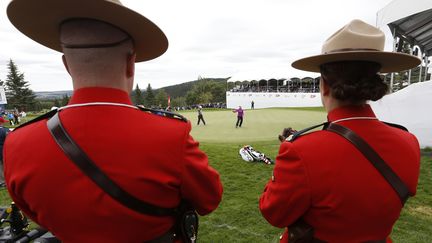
(216, 39)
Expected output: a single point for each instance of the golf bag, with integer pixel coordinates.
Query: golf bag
(248, 153)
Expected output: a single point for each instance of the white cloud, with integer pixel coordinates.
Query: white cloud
(207, 38)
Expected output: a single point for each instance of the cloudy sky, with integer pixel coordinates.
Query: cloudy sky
(224, 38)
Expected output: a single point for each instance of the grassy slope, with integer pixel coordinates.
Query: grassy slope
(238, 219)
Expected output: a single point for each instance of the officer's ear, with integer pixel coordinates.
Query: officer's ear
(324, 87)
(65, 64)
(130, 65)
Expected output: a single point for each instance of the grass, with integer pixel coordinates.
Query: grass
(258, 125)
(237, 219)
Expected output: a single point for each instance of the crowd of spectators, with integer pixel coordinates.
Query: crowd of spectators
(218, 105)
(14, 117)
(290, 87)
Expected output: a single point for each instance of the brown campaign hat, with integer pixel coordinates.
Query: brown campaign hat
(40, 20)
(358, 41)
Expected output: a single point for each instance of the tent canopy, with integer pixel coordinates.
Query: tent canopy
(410, 20)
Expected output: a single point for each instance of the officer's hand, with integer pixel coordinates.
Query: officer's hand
(286, 133)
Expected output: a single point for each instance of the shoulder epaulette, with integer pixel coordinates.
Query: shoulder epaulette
(39, 118)
(397, 126)
(168, 114)
(295, 135)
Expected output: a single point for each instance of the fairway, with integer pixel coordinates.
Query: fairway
(238, 219)
(258, 125)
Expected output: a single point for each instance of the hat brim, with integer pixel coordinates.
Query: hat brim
(390, 61)
(40, 21)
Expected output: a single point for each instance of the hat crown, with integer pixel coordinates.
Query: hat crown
(355, 36)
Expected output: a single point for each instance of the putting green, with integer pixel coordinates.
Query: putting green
(258, 125)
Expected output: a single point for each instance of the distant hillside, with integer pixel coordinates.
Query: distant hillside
(51, 95)
(179, 90)
(173, 90)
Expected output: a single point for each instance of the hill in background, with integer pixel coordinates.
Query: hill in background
(51, 95)
(174, 91)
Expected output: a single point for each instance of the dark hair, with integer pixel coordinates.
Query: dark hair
(354, 81)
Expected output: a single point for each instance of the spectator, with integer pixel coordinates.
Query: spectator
(3, 133)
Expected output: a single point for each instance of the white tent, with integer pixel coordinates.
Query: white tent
(409, 107)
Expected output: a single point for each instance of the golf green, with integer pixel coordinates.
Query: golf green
(258, 125)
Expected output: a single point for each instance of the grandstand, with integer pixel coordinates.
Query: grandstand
(272, 92)
(410, 22)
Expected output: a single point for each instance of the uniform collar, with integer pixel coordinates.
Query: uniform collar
(350, 112)
(99, 94)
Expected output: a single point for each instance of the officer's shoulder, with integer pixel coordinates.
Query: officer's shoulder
(162, 113)
(37, 119)
(306, 132)
(396, 126)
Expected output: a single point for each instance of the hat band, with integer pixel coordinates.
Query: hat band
(87, 46)
(350, 49)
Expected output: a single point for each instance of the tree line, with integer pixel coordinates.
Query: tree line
(202, 91)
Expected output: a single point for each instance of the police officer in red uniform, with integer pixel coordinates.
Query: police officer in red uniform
(152, 157)
(323, 182)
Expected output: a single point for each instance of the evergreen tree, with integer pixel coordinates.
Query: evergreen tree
(18, 94)
(161, 98)
(137, 96)
(149, 97)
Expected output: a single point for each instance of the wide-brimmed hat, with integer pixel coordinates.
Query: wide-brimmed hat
(358, 41)
(40, 20)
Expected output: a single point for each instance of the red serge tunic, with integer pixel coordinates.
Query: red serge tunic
(152, 157)
(324, 178)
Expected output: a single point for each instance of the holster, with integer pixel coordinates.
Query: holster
(300, 232)
(186, 226)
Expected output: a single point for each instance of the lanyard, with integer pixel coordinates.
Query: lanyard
(355, 118)
(97, 103)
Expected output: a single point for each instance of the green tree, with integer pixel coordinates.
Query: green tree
(178, 102)
(205, 98)
(44, 104)
(65, 100)
(137, 96)
(149, 97)
(206, 91)
(18, 94)
(191, 98)
(161, 98)
(218, 92)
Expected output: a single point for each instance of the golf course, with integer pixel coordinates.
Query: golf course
(238, 219)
